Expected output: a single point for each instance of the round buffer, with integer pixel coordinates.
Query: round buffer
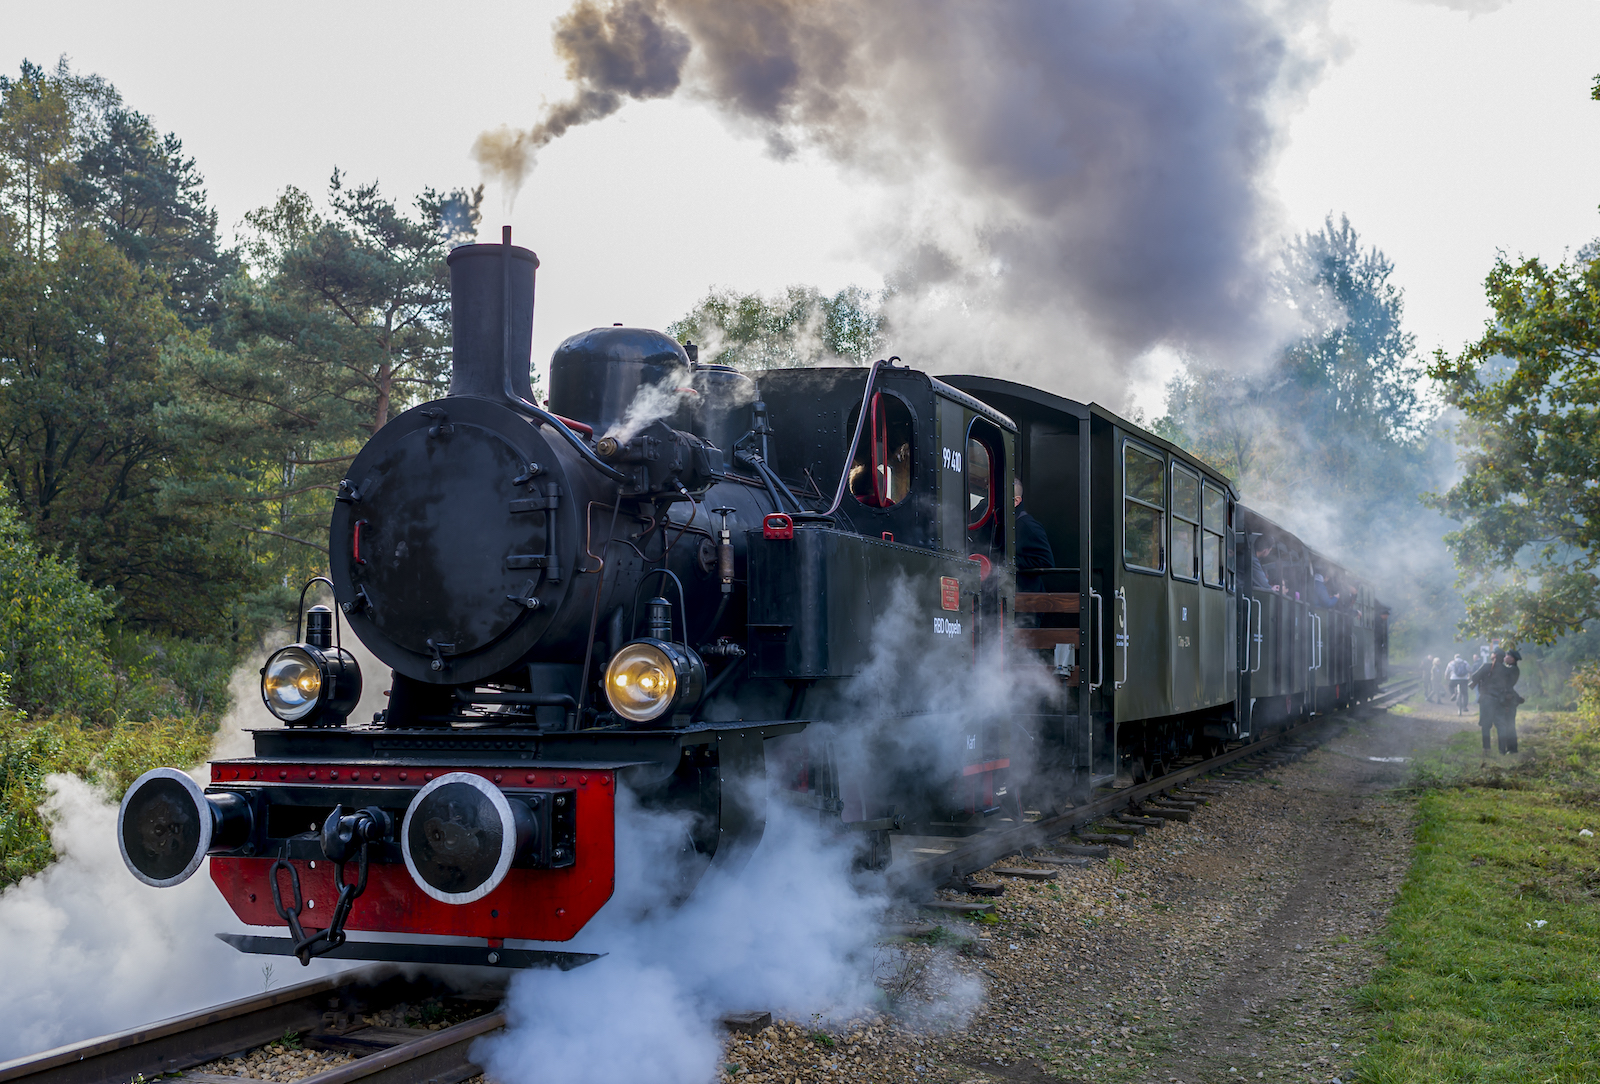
(460, 836)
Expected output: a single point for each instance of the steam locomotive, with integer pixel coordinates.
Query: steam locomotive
(674, 580)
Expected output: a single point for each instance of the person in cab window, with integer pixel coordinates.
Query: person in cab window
(897, 484)
(1033, 545)
(1259, 552)
(1319, 592)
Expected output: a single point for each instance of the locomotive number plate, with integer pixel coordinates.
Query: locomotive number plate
(949, 593)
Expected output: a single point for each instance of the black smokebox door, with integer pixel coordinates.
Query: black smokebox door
(441, 560)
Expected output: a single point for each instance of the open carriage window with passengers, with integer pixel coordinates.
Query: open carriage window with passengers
(880, 475)
(1143, 509)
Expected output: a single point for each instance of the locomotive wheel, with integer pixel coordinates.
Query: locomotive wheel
(1138, 768)
(1158, 768)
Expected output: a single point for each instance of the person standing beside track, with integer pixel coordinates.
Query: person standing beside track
(1456, 674)
(1425, 669)
(1496, 682)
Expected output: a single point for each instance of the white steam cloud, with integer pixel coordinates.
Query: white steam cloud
(88, 950)
(653, 402)
(790, 933)
(795, 932)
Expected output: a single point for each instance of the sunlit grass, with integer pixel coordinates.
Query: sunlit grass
(1493, 969)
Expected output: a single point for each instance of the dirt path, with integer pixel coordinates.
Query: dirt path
(1226, 949)
(1259, 924)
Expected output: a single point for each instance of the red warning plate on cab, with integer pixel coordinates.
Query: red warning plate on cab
(950, 592)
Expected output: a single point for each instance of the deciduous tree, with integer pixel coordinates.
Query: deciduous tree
(1529, 500)
(802, 326)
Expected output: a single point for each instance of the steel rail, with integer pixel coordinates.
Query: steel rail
(989, 847)
(182, 1042)
(440, 1058)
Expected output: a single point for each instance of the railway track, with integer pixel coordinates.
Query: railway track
(326, 1013)
(920, 870)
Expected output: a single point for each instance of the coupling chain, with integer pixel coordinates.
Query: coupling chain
(318, 942)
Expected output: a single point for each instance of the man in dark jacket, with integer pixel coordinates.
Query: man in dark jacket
(1496, 681)
(1260, 549)
(1033, 546)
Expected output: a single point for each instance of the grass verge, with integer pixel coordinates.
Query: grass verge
(1493, 969)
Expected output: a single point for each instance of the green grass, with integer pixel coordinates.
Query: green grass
(1475, 989)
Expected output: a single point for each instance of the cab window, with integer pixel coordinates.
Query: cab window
(1143, 510)
(880, 474)
(985, 489)
(1214, 527)
(980, 484)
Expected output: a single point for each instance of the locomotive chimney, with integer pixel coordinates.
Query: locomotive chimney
(491, 321)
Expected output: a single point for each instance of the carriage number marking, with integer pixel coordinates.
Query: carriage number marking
(1183, 641)
(952, 459)
(943, 626)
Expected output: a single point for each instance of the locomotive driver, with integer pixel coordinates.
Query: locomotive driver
(1033, 545)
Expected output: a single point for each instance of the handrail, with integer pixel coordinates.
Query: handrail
(1122, 637)
(1316, 642)
(1249, 601)
(855, 443)
(509, 389)
(1259, 639)
(1099, 640)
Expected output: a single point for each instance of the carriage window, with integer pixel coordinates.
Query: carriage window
(980, 484)
(1215, 531)
(880, 475)
(1143, 509)
(1185, 524)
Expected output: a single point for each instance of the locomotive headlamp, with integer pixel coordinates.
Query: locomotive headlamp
(649, 678)
(304, 684)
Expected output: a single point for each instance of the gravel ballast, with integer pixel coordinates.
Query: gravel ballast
(1225, 948)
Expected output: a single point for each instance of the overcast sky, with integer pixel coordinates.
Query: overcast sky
(1446, 135)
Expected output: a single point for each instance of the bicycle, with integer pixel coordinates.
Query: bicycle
(1461, 695)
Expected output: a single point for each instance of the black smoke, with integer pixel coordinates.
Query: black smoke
(1075, 182)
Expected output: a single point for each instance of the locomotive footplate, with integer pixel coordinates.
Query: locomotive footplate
(493, 835)
(490, 955)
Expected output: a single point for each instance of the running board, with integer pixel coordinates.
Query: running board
(390, 952)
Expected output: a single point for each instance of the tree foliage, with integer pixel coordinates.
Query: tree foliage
(802, 326)
(342, 321)
(52, 630)
(360, 296)
(1333, 424)
(149, 201)
(88, 447)
(174, 414)
(1529, 499)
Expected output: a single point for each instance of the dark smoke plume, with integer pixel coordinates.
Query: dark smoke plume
(625, 50)
(1075, 182)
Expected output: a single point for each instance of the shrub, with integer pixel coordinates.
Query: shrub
(52, 638)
